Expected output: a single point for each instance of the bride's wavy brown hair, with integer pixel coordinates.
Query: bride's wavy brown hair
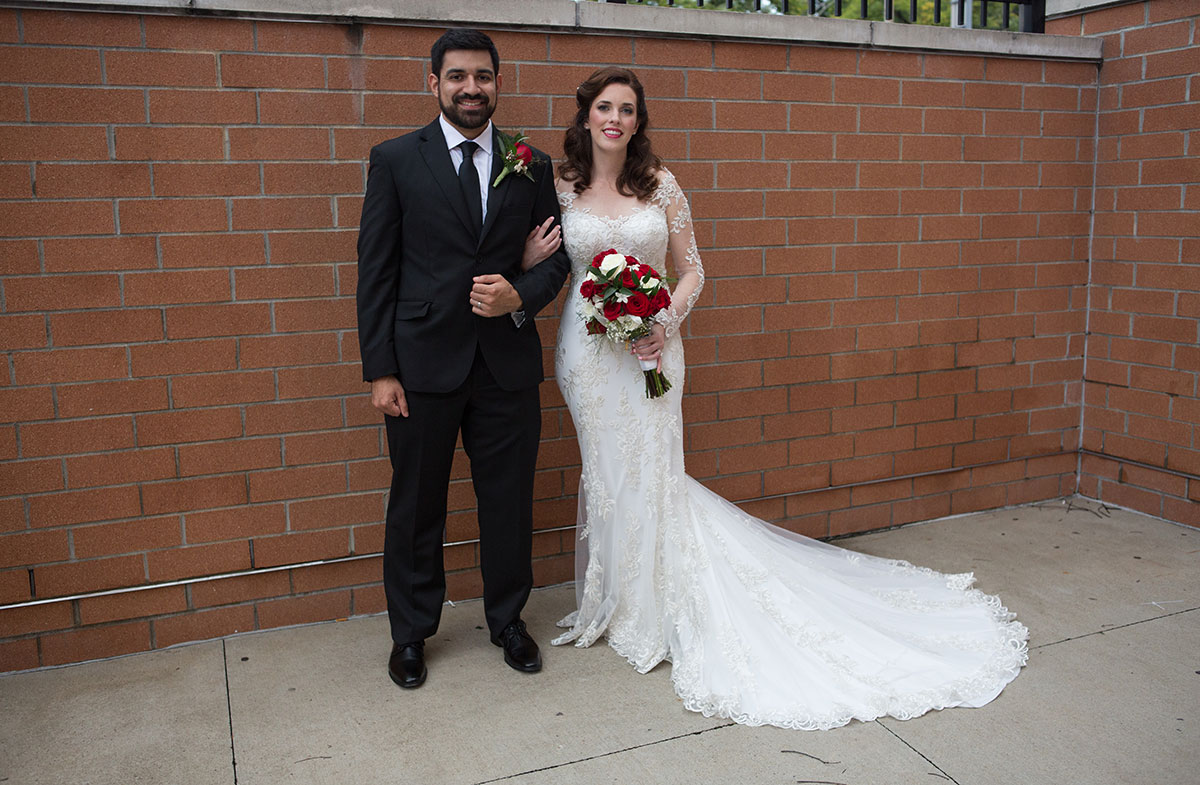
(639, 176)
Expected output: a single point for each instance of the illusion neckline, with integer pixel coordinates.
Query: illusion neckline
(572, 207)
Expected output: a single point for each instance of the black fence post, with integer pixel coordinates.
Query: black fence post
(1033, 17)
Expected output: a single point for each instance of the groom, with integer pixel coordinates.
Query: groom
(448, 342)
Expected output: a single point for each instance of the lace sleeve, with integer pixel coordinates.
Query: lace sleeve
(681, 239)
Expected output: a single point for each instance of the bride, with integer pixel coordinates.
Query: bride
(761, 626)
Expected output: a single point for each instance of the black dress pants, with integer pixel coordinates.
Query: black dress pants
(500, 431)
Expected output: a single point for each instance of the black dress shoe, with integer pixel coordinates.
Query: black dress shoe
(406, 666)
(520, 651)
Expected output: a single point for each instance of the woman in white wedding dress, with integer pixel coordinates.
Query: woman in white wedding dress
(761, 625)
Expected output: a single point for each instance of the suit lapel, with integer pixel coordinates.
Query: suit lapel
(497, 194)
(437, 158)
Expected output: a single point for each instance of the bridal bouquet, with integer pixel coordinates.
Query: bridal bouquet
(620, 298)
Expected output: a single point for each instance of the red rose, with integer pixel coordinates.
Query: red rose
(638, 304)
(661, 299)
(524, 153)
(587, 288)
(613, 310)
(628, 279)
(648, 270)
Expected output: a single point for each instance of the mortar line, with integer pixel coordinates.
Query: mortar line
(604, 754)
(1087, 306)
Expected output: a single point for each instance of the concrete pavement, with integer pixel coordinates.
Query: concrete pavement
(1111, 693)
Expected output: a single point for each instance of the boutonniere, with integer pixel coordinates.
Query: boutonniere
(517, 156)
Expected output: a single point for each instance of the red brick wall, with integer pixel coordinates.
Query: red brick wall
(892, 329)
(1141, 436)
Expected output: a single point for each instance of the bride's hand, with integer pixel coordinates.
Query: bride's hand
(650, 347)
(540, 243)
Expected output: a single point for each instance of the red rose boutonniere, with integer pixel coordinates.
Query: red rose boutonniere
(517, 156)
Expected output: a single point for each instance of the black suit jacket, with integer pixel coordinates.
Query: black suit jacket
(418, 253)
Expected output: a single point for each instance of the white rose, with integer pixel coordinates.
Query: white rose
(588, 310)
(612, 264)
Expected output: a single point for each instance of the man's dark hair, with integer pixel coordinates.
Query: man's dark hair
(462, 38)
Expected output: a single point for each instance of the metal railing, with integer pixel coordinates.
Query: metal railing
(958, 13)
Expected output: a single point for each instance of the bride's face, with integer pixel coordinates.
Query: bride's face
(612, 120)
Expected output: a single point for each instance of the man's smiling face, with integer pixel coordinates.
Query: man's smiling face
(466, 89)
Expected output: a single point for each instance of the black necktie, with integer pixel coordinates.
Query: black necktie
(468, 176)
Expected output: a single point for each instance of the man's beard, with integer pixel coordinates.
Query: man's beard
(477, 119)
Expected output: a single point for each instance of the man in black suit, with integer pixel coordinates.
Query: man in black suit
(446, 329)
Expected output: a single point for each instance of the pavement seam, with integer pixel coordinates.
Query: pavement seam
(229, 712)
(914, 749)
(605, 754)
(1113, 629)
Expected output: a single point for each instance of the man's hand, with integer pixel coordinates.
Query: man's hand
(387, 395)
(493, 295)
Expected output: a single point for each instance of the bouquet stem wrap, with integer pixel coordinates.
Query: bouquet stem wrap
(656, 384)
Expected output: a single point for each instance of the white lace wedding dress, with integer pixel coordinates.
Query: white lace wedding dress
(760, 625)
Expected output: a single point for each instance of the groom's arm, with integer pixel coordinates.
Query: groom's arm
(540, 285)
(379, 241)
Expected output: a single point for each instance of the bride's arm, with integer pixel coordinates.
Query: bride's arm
(540, 243)
(681, 239)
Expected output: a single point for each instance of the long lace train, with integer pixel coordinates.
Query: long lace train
(760, 625)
